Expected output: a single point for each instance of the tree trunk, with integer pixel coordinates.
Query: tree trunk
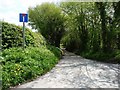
(101, 8)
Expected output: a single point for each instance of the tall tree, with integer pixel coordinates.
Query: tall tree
(77, 12)
(116, 21)
(49, 21)
(101, 8)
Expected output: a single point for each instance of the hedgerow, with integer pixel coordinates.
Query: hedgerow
(12, 36)
(20, 65)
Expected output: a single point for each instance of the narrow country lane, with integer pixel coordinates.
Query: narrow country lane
(76, 72)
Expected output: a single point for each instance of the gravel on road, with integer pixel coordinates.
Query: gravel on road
(76, 72)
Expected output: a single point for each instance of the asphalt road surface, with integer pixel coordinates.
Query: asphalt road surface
(76, 72)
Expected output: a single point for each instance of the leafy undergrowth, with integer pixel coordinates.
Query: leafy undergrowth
(20, 65)
(113, 57)
(117, 56)
(12, 36)
(57, 51)
(0, 77)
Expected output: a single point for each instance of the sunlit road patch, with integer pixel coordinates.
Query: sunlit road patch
(76, 72)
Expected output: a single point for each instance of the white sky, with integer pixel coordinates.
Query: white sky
(10, 9)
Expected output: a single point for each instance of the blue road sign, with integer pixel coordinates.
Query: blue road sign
(23, 17)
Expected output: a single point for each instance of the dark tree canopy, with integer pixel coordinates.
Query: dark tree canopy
(85, 28)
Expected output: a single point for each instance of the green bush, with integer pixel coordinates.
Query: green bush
(71, 41)
(113, 57)
(20, 65)
(12, 36)
(0, 77)
(57, 51)
(1, 58)
(117, 56)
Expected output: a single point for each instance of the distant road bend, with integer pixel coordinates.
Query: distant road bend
(76, 72)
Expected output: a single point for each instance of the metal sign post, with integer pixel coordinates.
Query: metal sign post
(23, 18)
(23, 34)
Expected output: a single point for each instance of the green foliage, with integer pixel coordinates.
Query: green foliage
(117, 56)
(92, 29)
(96, 55)
(0, 76)
(49, 21)
(71, 40)
(113, 57)
(57, 51)
(12, 36)
(20, 65)
(77, 32)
